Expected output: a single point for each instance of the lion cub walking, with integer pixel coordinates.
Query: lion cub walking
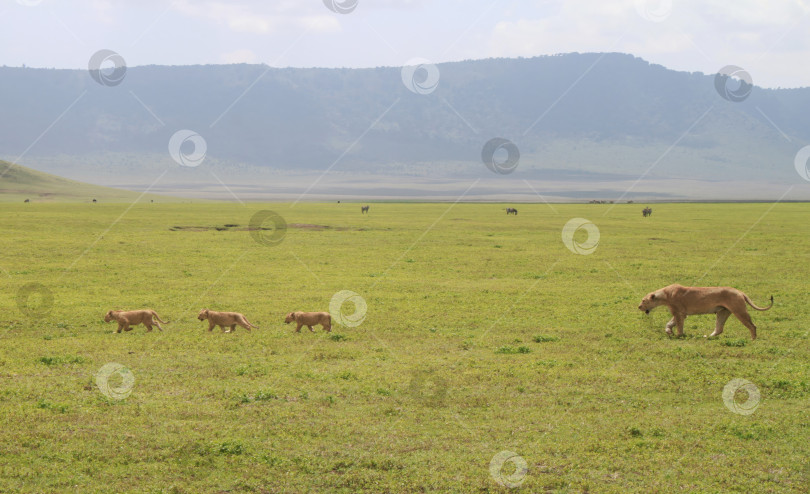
(310, 319)
(685, 301)
(223, 319)
(129, 318)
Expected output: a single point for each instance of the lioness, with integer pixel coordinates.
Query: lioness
(310, 319)
(133, 318)
(688, 300)
(223, 319)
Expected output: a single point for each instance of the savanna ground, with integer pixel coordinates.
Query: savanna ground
(483, 334)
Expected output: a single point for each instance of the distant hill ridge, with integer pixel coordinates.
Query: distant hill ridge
(590, 114)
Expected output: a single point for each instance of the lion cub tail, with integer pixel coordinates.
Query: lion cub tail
(158, 317)
(748, 301)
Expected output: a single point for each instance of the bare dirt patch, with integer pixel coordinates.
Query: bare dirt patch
(231, 227)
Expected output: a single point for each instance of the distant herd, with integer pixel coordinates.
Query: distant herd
(364, 209)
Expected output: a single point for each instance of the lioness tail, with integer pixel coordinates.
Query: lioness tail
(748, 301)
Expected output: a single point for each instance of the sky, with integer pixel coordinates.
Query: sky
(768, 39)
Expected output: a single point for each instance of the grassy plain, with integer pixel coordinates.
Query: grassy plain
(483, 334)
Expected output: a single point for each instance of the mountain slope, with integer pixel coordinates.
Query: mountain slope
(591, 115)
(18, 183)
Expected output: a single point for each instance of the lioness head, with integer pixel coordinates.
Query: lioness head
(108, 316)
(290, 318)
(203, 315)
(651, 301)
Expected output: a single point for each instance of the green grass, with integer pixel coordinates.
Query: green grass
(483, 334)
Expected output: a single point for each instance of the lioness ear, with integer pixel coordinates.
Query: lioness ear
(652, 297)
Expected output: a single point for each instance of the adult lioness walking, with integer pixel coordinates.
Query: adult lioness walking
(127, 318)
(685, 301)
(223, 319)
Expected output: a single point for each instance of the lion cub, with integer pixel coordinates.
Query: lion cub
(129, 318)
(223, 319)
(310, 319)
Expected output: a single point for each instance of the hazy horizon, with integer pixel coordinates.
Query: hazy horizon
(263, 64)
(766, 39)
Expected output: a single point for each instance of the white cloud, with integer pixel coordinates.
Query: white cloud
(320, 23)
(103, 10)
(240, 56)
(695, 36)
(261, 17)
(241, 18)
(249, 24)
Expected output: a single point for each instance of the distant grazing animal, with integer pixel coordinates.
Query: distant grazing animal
(27, 200)
(685, 301)
(223, 319)
(129, 318)
(364, 209)
(511, 211)
(646, 212)
(94, 201)
(310, 319)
